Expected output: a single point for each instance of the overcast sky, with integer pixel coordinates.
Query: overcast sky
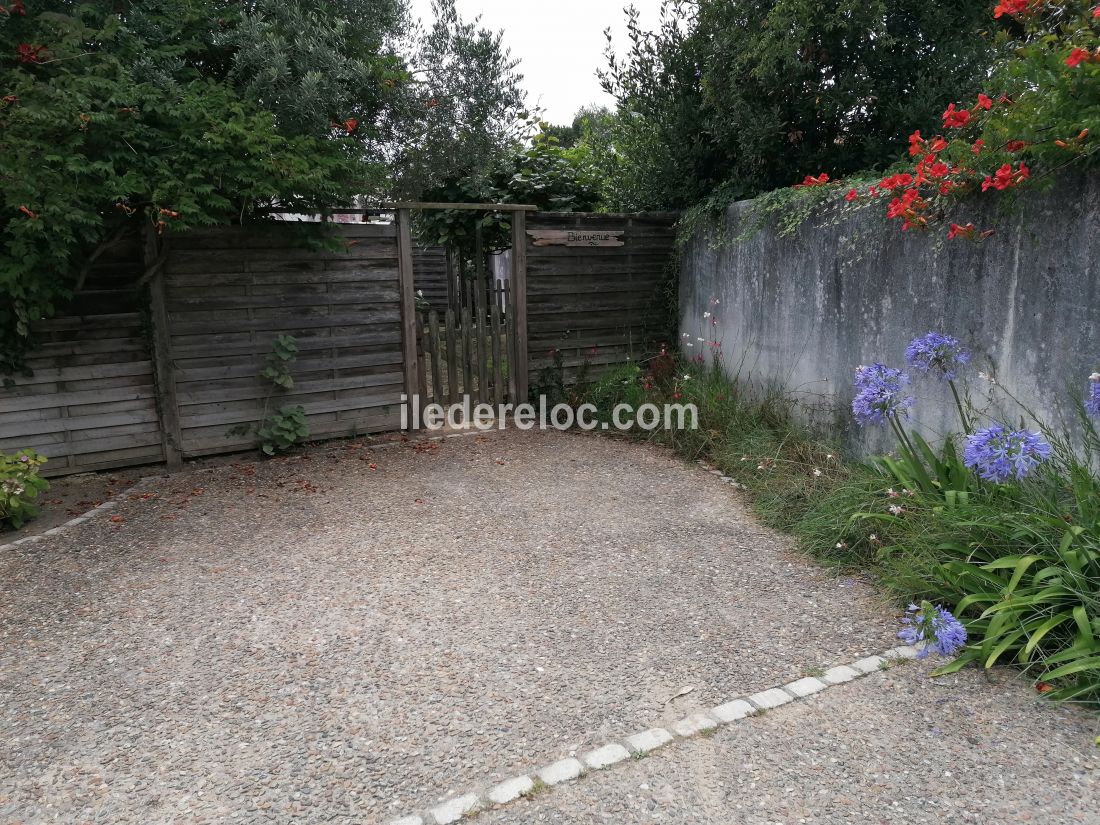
(560, 44)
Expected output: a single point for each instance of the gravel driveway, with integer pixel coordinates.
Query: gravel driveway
(349, 635)
(895, 747)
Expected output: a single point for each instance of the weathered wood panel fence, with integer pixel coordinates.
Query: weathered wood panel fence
(91, 402)
(596, 298)
(156, 364)
(229, 294)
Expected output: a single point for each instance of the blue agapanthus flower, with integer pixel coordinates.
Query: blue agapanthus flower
(879, 394)
(1000, 454)
(1092, 401)
(935, 627)
(937, 353)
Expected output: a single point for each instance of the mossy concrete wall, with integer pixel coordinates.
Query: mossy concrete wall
(803, 311)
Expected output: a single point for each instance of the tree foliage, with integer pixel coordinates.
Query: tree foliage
(541, 173)
(743, 95)
(463, 109)
(1037, 114)
(179, 113)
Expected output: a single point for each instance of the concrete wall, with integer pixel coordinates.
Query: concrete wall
(804, 311)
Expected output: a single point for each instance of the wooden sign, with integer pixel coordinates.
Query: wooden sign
(576, 237)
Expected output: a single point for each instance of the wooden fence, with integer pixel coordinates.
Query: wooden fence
(431, 275)
(229, 294)
(468, 352)
(90, 402)
(596, 297)
(153, 365)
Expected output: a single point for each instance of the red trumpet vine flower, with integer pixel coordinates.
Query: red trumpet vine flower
(29, 54)
(955, 118)
(810, 180)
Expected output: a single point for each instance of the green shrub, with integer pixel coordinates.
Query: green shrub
(282, 429)
(20, 485)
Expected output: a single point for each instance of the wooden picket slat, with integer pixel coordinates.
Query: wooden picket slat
(424, 353)
(482, 340)
(452, 358)
(510, 337)
(496, 330)
(467, 357)
(437, 371)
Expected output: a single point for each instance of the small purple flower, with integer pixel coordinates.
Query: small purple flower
(936, 627)
(937, 353)
(879, 394)
(1092, 403)
(999, 454)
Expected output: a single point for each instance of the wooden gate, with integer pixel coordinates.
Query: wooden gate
(476, 343)
(598, 288)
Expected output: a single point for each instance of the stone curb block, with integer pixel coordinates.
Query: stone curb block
(805, 687)
(648, 740)
(732, 711)
(840, 674)
(605, 756)
(771, 698)
(561, 771)
(903, 652)
(868, 665)
(454, 809)
(691, 725)
(511, 789)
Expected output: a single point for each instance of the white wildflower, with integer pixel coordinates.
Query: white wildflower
(817, 472)
(706, 314)
(897, 510)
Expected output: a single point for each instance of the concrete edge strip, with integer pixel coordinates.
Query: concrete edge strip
(641, 744)
(98, 510)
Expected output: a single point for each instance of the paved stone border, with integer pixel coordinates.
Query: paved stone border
(98, 510)
(640, 744)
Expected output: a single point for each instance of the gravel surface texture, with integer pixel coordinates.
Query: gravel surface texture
(69, 497)
(347, 636)
(893, 747)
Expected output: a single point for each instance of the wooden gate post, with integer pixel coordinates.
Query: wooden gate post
(519, 303)
(408, 308)
(167, 403)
